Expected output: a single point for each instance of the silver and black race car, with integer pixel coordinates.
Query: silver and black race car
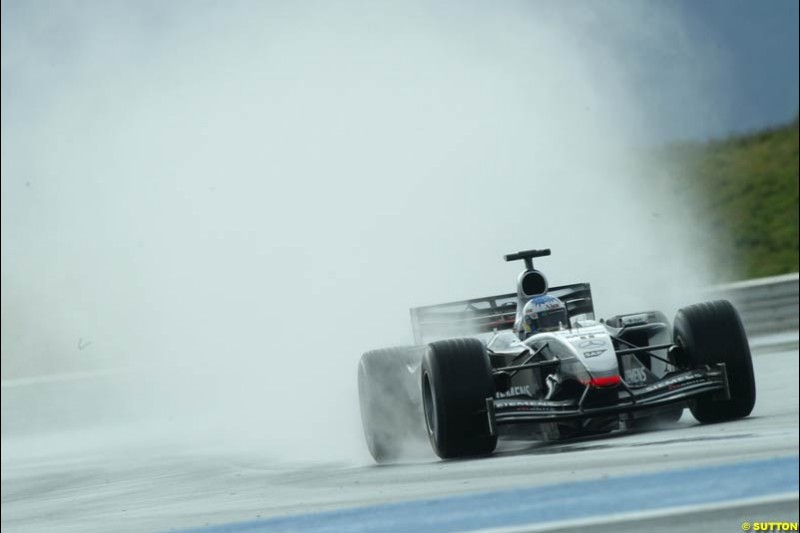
(537, 364)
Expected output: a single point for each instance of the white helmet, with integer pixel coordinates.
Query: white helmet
(543, 313)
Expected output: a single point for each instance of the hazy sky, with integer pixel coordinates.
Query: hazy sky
(754, 47)
(759, 43)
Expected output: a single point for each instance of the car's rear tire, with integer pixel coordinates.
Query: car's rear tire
(391, 406)
(712, 333)
(456, 381)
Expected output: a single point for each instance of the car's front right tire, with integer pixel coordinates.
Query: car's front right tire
(456, 381)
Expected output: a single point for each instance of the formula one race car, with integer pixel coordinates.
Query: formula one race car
(536, 364)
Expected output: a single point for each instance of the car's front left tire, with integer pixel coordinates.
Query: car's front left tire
(456, 381)
(711, 333)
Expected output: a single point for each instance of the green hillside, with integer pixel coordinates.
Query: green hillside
(747, 189)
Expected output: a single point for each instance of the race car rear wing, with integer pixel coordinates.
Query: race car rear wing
(481, 315)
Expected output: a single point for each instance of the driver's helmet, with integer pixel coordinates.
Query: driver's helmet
(543, 313)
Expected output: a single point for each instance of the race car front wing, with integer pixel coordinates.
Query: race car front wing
(673, 389)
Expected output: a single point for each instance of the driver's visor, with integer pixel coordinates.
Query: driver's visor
(550, 320)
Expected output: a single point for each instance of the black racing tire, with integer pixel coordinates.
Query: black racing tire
(456, 381)
(711, 333)
(391, 405)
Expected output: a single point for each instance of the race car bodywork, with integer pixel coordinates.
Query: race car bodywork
(472, 378)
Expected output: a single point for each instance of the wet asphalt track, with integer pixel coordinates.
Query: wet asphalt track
(708, 478)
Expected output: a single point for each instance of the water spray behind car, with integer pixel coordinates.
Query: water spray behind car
(235, 201)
